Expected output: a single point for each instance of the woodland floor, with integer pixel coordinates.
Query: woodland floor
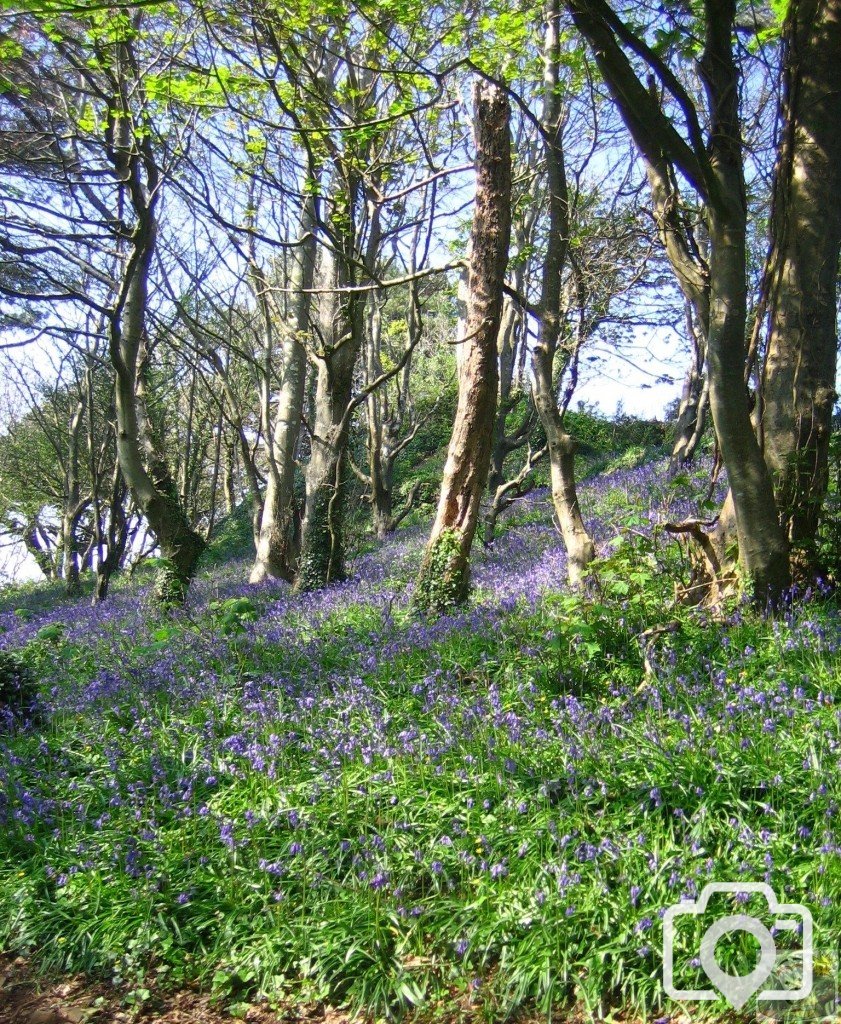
(26, 998)
(305, 801)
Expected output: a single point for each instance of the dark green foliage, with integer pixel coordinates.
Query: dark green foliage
(18, 689)
(232, 537)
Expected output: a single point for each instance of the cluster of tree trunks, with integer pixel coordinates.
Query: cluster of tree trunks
(778, 476)
(773, 442)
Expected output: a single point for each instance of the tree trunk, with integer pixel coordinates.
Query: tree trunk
(694, 401)
(763, 550)
(73, 506)
(377, 414)
(116, 538)
(444, 575)
(561, 447)
(31, 537)
(322, 544)
(798, 385)
(503, 444)
(275, 550)
(714, 167)
(153, 489)
(228, 470)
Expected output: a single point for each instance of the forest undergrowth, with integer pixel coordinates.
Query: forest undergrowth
(327, 797)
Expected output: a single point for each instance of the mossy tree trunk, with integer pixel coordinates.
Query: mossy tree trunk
(444, 575)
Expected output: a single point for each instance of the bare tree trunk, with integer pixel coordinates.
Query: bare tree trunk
(692, 412)
(380, 471)
(276, 555)
(762, 545)
(798, 385)
(73, 505)
(444, 575)
(561, 447)
(153, 489)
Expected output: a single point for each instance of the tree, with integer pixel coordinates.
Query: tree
(94, 167)
(798, 379)
(444, 574)
(712, 163)
(577, 541)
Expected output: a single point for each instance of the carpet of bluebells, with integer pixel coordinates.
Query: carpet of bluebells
(328, 797)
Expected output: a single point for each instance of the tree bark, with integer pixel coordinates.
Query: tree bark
(275, 550)
(561, 447)
(444, 575)
(762, 545)
(322, 544)
(380, 468)
(153, 489)
(798, 384)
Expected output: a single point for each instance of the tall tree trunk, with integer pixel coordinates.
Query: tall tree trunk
(762, 546)
(275, 548)
(155, 492)
(377, 414)
(561, 447)
(798, 385)
(444, 575)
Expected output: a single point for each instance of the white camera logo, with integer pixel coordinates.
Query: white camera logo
(737, 989)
